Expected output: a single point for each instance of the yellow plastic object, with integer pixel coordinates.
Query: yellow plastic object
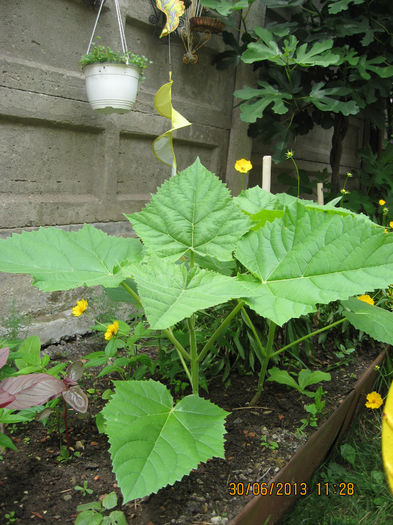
(387, 438)
(163, 145)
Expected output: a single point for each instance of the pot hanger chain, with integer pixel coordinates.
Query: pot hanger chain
(120, 24)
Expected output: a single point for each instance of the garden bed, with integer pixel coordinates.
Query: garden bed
(39, 488)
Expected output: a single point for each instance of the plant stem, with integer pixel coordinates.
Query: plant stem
(260, 346)
(194, 355)
(223, 326)
(132, 293)
(268, 354)
(66, 427)
(168, 332)
(179, 347)
(311, 334)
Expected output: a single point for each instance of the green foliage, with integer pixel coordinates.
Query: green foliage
(84, 489)
(176, 438)
(324, 61)
(191, 213)
(287, 285)
(12, 323)
(66, 260)
(376, 321)
(122, 353)
(372, 182)
(99, 53)
(202, 249)
(356, 464)
(93, 513)
(313, 410)
(305, 378)
(272, 445)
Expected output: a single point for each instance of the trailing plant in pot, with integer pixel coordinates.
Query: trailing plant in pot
(112, 78)
(199, 247)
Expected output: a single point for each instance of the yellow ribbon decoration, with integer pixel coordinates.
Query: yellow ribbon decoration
(163, 145)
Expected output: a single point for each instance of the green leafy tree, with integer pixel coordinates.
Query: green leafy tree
(329, 60)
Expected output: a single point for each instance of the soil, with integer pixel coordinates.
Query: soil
(39, 488)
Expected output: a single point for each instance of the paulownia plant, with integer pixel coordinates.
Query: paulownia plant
(199, 247)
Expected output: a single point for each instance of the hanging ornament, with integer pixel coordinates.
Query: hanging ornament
(163, 145)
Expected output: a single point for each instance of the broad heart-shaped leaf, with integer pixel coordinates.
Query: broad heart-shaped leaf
(191, 211)
(170, 293)
(61, 260)
(154, 443)
(376, 322)
(310, 256)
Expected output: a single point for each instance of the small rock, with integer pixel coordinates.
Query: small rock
(67, 497)
(91, 466)
(218, 520)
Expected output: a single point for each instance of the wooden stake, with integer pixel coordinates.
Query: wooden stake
(320, 193)
(266, 172)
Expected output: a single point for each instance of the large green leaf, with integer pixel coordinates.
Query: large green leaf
(266, 48)
(310, 257)
(264, 96)
(154, 443)
(328, 99)
(376, 322)
(256, 200)
(61, 260)
(317, 55)
(191, 211)
(170, 293)
(336, 6)
(225, 8)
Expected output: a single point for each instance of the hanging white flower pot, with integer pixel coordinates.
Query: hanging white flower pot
(111, 88)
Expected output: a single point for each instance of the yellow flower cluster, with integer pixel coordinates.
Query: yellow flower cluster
(366, 299)
(374, 400)
(111, 330)
(80, 307)
(381, 202)
(243, 166)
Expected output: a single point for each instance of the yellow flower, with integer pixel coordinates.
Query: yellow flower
(374, 400)
(243, 166)
(381, 202)
(289, 154)
(366, 299)
(111, 330)
(391, 224)
(80, 307)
